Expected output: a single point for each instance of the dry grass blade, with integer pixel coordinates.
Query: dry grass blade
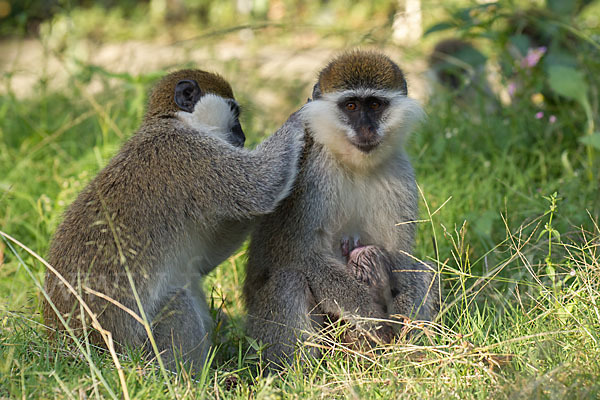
(114, 302)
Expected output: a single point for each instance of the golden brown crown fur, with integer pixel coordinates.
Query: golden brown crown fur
(361, 69)
(162, 102)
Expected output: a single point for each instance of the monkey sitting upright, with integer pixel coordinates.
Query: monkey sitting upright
(355, 180)
(179, 197)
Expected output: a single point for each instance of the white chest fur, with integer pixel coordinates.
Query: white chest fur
(369, 207)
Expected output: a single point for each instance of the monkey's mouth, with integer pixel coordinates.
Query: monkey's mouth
(366, 146)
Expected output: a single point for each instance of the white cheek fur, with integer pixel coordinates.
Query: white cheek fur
(401, 117)
(323, 120)
(212, 115)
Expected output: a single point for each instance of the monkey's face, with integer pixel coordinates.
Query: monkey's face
(362, 126)
(363, 115)
(209, 113)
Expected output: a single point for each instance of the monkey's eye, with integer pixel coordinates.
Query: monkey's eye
(374, 105)
(351, 106)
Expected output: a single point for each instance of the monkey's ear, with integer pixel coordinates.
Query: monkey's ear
(316, 94)
(187, 94)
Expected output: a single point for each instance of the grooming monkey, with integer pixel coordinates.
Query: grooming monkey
(355, 184)
(178, 198)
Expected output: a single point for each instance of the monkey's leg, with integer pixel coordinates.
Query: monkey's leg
(182, 329)
(279, 315)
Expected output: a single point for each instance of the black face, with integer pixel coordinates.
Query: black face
(364, 115)
(187, 94)
(237, 134)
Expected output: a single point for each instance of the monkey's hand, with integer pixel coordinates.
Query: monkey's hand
(296, 116)
(288, 141)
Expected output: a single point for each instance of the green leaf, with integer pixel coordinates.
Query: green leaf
(442, 26)
(568, 82)
(562, 7)
(464, 15)
(559, 56)
(591, 140)
(471, 56)
(521, 42)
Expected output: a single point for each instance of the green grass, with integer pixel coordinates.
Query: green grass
(522, 308)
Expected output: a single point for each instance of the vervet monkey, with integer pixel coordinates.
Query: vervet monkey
(179, 197)
(355, 181)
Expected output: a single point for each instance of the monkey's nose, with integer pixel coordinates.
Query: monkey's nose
(367, 134)
(366, 138)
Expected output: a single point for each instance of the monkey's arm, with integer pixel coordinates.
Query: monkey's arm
(254, 182)
(204, 176)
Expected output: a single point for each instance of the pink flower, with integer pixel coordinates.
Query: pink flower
(512, 88)
(552, 119)
(539, 115)
(533, 57)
